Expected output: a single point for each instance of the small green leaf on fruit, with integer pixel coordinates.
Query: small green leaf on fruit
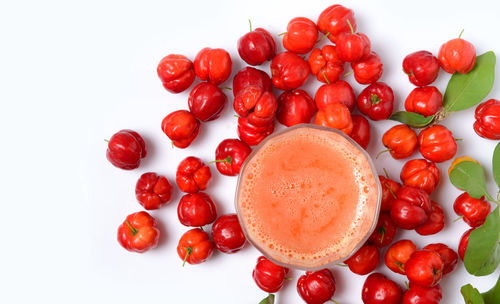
(471, 295)
(411, 119)
(469, 176)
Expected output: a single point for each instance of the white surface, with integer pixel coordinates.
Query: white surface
(73, 73)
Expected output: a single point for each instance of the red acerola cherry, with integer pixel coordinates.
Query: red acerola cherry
(139, 232)
(301, 35)
(195, 247)
(257, 46)
(474, 211)
(368, 70)
(252, 134)
(457, 55)
(337, 92)
(269, 276)
(464, 242)
(450, 257)
(206, 101)
(230, 155)
(487, 124)
(434, 223)
(192, 175)
(249, 76)
(421, 67)
(376, 101)
(227, 234)
(196, 210)
(152, 190)
(424, 100)
(289, 71)
(389, 190)
(437, 144)
(378, 289)
(125, 149)
(385, 231)
(411, 208)
(420, 173)
(363, 261)
(333, 21)
(325, 64)
(352, 47)
(398, 254)
(337, 116)
(176, 73)
(181, 127)
(422, 295)
(316, 287)
(424, 268)
(295, 107)
(213, 65)
(257, 105)
(360, 130)
(401, 141)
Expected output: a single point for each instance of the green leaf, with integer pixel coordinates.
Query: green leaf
(469, 176)
(471, 295)
(467, 90)
(492, 296)
(496, 164)
(268, 300)
(414, 120)
(483, 250)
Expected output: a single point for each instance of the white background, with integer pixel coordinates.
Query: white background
(74, 72)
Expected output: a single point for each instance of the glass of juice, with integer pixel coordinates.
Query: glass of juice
(308, 197)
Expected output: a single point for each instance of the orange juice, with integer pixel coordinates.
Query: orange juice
(307, 197)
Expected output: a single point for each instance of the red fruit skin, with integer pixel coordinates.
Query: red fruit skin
(473, 210)
(434, 223)
(301, 35)
(368, 70)
(487, 124)
(230, 155)
(176, 73)
(181, 127)
(295, 107)
(464, 241)
(206, 101)
(360, 130)
(325, 64)
(421, 67)
(125, 149)
(384, 232)
(424, 100)
(337, 116)
(457, 55)
(401, 141)
(196, 210)
(256, 47)
(422, 295)
(398, 254)
(289, 71)
(420, 173)
(212, 65)
(269, 276)
(258, 105)
(363, 261)
(199, 243)
(410, 208)
(333, 20)
(437, 144)
(251, 134)
(450, 257)
(146, 233)
(251, 77)
(192, 175)
(227, 235)
(376, 101)
(316, 287)
(378, 289)
(353, 47)
(389, 190)
(424, 268)
(337, 92)
(152, 190)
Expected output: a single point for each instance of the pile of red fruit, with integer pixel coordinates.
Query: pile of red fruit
(406, 206)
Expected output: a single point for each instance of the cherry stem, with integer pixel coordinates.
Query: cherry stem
(350, 26)
(237, 116)
(375, 99)
(459, 139)
(226, 88)
(326, 78)
(386, 174)
(458, 218)
(382, 232)
(381, 152)
(334, 301)
(250, 22)
(400, 266)
(106, 140)
(324, 36)
(461, 34)
(188, 253)
(348, 73)
(289, 279)
(132, 229)
(390, 190)
(342, 265)
(172, 143)
(281, 34)
(407, 285)
(228, 160)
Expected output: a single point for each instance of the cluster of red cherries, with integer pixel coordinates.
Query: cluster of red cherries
(406, 206)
